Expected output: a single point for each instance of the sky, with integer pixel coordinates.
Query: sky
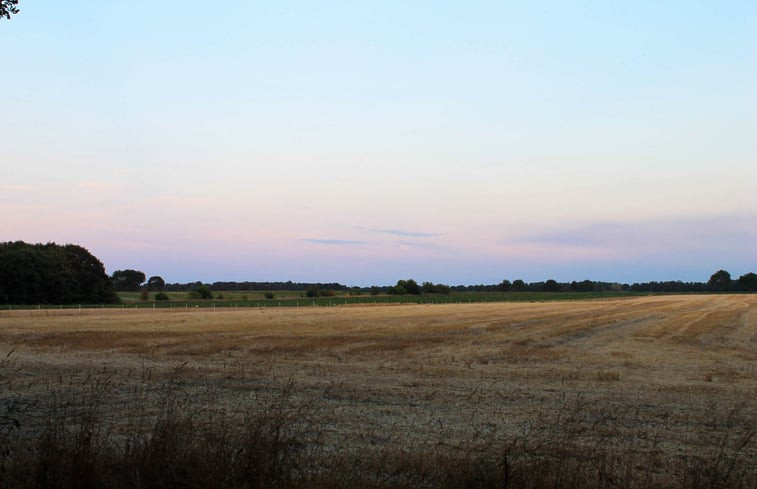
(365, 142)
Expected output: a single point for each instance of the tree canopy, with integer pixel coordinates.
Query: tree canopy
(52, 274)
(155, 283)
(128, 280)
(748, 281)
(719, 281)
(8, 7)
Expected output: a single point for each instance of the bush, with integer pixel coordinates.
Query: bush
(161, 296)
(201, 292)
(269, 295)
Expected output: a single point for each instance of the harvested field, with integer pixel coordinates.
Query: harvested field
(646, 385)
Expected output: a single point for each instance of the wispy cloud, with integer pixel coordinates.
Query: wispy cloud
(338, 242)
(415, 244)
(643, 237)
(400, 232)
(413, 234)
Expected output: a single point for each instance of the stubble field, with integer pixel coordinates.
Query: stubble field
(654, 391)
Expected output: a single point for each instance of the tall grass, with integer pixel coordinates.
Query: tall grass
(93, 431)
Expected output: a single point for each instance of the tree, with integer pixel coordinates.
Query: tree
(719, 281)
(585, 286)
(519, 285)
(412, 287)
(201, 292)
(748, 281)
(432, 288)
(8, 7)
(52, 274)
(128, 280)
(88, 273)
(551, 286)
(398, 289)
(161, 296)
(312, 291)
(155, 283)
(505, 285)
(408, 286)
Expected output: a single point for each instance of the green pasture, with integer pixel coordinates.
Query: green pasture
(256, 298)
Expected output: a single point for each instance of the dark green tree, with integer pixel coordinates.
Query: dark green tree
(398, 289)
(88, 273)
(155, 283)
(52, 274)
(312, 291)
(719, 281)
(519, 285)
(203, 292)
(128, 280)
(551, 286)
(748, 281)
(505, 286)
(432, 288)
(585, 286)
(8, 7)
(412, 287)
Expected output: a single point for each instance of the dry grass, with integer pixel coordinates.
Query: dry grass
(653, 389)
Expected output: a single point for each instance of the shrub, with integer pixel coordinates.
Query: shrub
(269, 295)
(161, 296)
(202, 292)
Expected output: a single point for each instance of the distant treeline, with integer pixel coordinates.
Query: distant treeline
(52, 274)
(69, 274)
(236, 286)
(720, 281)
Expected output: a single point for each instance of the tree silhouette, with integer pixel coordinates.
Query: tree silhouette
(749, 281)
(128, 280)
(156, 283)
(8, 7)
(719, 281)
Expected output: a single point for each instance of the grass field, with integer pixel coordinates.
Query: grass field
(256, 298)
(654, 391)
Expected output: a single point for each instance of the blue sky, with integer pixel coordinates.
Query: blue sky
(363, 142)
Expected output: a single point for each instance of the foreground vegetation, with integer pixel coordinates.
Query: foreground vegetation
(639, 392)
(276, 439)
